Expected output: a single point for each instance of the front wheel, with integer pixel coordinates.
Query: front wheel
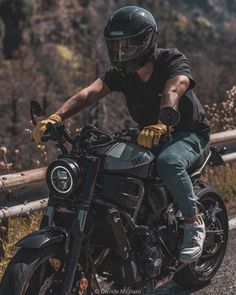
(202, 271)
(36, 271)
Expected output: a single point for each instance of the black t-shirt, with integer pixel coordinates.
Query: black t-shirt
(143, 97)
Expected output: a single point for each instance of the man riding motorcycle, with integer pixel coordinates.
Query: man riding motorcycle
(156, 82)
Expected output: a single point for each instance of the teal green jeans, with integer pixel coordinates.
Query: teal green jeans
(173, 158)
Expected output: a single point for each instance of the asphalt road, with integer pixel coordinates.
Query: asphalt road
(224, 282)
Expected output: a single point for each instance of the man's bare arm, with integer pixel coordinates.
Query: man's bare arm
(84, 98)
(173, 90)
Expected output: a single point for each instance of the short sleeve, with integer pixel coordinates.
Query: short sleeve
(114, 80)
(177, 64)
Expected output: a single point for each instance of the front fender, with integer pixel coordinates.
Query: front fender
(44, 237)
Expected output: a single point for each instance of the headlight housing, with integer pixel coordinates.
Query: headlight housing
(64, 177)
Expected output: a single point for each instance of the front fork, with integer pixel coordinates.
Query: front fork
(91, 166)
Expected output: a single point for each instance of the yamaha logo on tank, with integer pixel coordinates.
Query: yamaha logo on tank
(140, 160)
(117, 33)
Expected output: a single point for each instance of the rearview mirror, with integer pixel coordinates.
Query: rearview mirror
(169, 116)
(36, 108)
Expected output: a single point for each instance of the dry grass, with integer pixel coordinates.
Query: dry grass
(223, 180)
(222, 115)
(18, 228)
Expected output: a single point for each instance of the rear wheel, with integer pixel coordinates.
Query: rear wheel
(201, 272)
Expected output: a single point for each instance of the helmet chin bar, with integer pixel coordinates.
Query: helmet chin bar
(133, 65)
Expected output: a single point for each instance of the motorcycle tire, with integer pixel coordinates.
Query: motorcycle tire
(200, 273)
(22, 276)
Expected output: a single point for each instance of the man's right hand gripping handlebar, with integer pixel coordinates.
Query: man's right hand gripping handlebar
(41, 127)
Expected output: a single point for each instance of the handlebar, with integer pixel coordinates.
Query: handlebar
(89, 137)
(57, 132)
(132, 132)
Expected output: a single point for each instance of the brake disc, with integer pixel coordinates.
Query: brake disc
(49, 286)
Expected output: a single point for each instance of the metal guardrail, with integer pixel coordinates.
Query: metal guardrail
(229, 158)
(223, 137)
(23, 209)
(227, 138)
(15, 181)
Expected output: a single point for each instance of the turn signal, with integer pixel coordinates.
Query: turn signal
(83, 284)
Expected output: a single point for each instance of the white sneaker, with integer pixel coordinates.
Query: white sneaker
(192, 244)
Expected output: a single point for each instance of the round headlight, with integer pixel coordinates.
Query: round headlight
(63, 177)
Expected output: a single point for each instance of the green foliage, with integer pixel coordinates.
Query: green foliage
(65, 52)
(182, 24)
(28, 8)
(204, 29)
(16, 15)
(204, 22)
(2, 29)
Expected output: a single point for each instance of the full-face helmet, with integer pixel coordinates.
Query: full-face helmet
(131, 37)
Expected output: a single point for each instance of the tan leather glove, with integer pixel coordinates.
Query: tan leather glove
(40, 128)
(150, 135)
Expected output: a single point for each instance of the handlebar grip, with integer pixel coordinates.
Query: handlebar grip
(47, 134)
(56, 132)
(133, 132)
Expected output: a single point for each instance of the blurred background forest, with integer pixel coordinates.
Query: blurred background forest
(49, 49)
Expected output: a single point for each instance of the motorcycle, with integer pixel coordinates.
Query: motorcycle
(111, 226)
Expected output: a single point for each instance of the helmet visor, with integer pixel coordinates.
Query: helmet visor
(124, 49)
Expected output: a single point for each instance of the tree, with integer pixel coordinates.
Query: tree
(15, 14)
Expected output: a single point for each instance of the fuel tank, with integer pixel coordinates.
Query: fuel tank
(128, 158)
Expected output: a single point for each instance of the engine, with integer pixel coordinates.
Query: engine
(151, 261)
(144, 264)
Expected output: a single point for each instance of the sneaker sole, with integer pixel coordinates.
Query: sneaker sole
(190, 259)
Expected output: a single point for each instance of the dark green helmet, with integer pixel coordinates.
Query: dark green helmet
(131, 37)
